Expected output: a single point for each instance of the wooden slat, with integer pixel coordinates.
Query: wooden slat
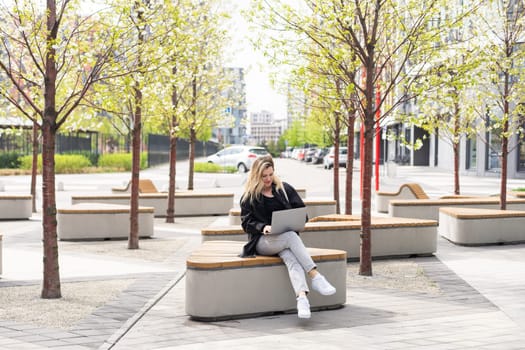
(481, 213)
(225, 254)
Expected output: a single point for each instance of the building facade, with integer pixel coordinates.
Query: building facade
(233, 129)
(263, 128)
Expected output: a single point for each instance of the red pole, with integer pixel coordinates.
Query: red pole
(378, 132)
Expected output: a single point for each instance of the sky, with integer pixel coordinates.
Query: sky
(259, 93)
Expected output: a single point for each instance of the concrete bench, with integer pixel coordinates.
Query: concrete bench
(471, 226)
(429, 208)
(301, 192)
(145, 186)
(16, 206)
(391, 237)
(186, 203)
(406, 191)
(95, 221)
(314, 208)
(221, 285)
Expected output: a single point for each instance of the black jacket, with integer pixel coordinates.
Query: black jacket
(253, 218)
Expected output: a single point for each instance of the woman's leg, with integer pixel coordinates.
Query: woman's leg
(295, 257)
(273, 244)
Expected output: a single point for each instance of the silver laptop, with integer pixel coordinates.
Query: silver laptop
(288, 220)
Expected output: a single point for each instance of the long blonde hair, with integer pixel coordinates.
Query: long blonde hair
(254, 186)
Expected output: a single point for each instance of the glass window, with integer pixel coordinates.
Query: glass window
(471, 154)
(494, 151)
(521, 155)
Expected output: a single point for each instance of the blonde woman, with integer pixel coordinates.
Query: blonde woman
(265, 193)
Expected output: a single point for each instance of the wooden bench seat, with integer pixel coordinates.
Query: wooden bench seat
(391, 237)
(16, 206)
(405, 191)
(480, 226)
(518, 194)
(429, 208)
(335, 217)
(314, 208)
(96, 221)
(221, 285)
(186, 203)
(145, 186)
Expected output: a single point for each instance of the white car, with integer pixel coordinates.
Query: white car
(328, 160)
(240, 157)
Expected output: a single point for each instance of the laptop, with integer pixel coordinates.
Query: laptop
(288, 220)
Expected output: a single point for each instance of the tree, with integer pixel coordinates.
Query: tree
(384, 37)
(501, 30)
(50, 59)
(204, 75)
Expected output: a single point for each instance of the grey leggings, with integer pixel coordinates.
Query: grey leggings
(290, 248)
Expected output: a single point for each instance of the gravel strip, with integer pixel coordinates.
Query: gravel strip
(402, 275)
(79, 300)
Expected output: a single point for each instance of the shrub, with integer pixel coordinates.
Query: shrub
(64, 163)
(120, 161)
(213, 168)
(9, 160)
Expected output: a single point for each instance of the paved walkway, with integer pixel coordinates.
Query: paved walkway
(480, 303)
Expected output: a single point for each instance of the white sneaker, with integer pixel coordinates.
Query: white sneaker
(303, 307)
(321, 285)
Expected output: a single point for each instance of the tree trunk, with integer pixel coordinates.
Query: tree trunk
(455, 149)
(336, 163)
(505, 144)
(349, 163)
(456, 146)
(193, 134)
(365, 264)
(133, 239)
(170, 212)
(51, 283)
(191, 158)
(51, 280)
(504, 160)
(34, 167)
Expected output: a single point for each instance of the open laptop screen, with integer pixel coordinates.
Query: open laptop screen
(288, 220)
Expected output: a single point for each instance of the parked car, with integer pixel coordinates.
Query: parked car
(309, 154)
(240, 157)
(319, 155)
(328, 160)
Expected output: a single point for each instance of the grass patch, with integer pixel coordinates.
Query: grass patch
(213, 168)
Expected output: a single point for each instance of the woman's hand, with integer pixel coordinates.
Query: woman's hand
(267, 230)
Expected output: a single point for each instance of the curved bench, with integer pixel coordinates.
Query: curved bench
(186, 203)
(221, 285)
(391, 237)
(95, 221)
(471, 226)
(314, 208)
(16, 206)
(145, 186)
(429, 208)
(406, 191)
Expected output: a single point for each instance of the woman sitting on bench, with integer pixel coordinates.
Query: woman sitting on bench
(265, 193)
